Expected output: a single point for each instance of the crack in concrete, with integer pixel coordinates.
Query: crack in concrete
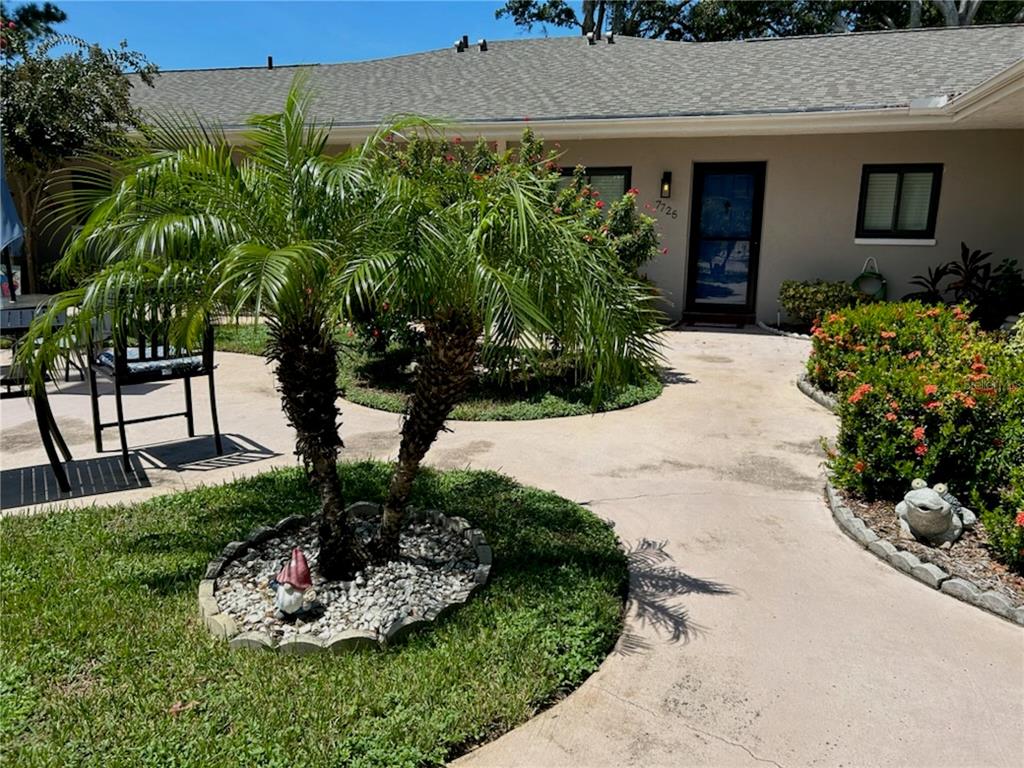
(689, 725)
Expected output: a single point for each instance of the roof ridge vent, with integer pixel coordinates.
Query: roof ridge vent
(590, 38)
(462, 44)
(482, 42)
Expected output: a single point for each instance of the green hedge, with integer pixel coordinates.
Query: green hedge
(923, 392)
(804, 301)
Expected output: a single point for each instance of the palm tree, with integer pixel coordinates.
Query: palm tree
(495, 274)
(208, 229)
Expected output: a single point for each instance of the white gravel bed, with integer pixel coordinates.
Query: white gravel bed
(435, 565)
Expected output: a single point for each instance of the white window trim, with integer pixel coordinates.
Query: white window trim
(892, 241)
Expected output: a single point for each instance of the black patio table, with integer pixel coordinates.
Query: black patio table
(15, 318)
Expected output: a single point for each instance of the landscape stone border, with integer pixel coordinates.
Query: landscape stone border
(221, 625)
(779, 332)
(823, 399)
(910, 564)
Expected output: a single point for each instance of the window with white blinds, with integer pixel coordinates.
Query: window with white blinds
(610, 183)
(899, 201)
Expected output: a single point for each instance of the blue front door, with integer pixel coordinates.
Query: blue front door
(725, 234)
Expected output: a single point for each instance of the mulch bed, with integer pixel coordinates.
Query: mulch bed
(969, 558)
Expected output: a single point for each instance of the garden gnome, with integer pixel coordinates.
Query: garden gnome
(932, 515)
(292, 584)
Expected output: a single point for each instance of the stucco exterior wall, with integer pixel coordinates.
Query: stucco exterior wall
(811, 193)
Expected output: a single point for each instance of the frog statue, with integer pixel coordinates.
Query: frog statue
(933, 515)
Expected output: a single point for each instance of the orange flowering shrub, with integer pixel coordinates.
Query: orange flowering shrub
(953, 412)
(892, 334)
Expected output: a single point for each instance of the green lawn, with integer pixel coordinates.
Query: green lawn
(367, 379)
(102, 643)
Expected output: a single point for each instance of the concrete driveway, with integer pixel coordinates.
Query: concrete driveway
(757, 632)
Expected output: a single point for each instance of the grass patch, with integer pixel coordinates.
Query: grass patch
(375, 381)
(101, 635)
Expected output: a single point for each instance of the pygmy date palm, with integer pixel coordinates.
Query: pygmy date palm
(496, 275)
(207, 228)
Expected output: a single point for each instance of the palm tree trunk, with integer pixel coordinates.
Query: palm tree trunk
(441, 382)
(307, 375)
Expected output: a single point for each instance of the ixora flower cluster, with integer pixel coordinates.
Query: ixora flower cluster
(922, 391)
(266, 593)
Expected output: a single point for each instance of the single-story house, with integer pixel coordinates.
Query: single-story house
(763, 160)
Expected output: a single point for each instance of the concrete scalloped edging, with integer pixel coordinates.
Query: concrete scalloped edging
(821, 398)
(910, 564)
(221, 625)
(779, 332)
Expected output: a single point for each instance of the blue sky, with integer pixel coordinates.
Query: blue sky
(179, 35)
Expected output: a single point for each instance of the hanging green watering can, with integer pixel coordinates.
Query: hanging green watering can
(870, 281)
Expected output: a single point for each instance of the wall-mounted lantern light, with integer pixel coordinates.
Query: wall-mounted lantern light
(666, 184)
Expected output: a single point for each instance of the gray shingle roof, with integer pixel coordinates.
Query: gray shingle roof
(564, 78)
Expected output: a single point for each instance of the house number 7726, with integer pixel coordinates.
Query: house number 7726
(662, 207)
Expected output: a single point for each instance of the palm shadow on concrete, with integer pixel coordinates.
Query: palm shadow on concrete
(655, 584)
(672, 376)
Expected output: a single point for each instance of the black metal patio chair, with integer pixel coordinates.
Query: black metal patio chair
(144, 359)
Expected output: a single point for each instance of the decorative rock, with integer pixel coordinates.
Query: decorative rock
(261, 534)
(930, 574)
(481, 574)
(962, 590)
(995, 602)
(257, 640)
(208, 606)
(861, 533)
(234, 549)
(843, 515)
(300, 646)
(206, 588)
(288, 523)
(821, 398)
(882, 549)
(402, 627)
(458, 524)
(474, 536)
(221, 625)
(1018, 615)
(483, 554)
(213, 568)
(350, 640)
(905, 561)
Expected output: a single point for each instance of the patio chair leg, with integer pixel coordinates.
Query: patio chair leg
(120, 427)
(213, 413)
(188, 407)
(94, 399)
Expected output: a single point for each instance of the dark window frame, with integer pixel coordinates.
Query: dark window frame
(605, 170)
(900, 169)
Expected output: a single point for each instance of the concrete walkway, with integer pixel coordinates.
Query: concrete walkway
(757, 633)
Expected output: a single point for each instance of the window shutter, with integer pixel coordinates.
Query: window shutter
(915, 201)
(880, 201)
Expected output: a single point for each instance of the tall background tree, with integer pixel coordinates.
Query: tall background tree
(712, 20)
(61, 97)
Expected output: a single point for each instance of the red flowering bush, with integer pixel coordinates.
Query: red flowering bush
(885, 334)
(922, 420)
(953, 412)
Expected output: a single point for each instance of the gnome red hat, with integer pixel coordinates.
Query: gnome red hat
(296, 572)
